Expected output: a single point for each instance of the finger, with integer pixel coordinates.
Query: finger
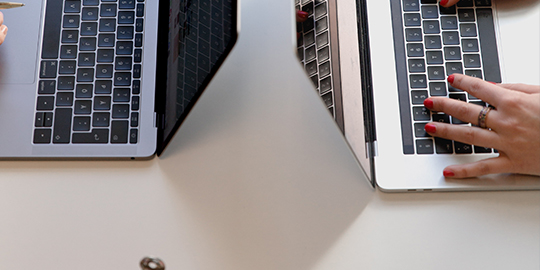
(463, 111)
(301, 16)
(483, 90)
(448, 3)
(494, 165)
(465, 134)
(1, 18)
(3, 33)
(521, 87)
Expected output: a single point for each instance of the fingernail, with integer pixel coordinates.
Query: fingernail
(302, 14)
(430, 128)
(492, 82)
(451, 79)
(443, 2)
(4, 29)
(428, 103)
(448, 173)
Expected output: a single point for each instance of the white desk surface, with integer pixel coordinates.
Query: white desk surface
(258, 177)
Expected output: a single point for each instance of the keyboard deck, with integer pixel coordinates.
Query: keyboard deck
(89, 87)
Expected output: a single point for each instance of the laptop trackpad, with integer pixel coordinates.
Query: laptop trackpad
(18, 53)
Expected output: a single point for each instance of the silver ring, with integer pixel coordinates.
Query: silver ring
(482, 116)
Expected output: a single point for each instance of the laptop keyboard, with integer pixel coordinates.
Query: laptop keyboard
(89, 80)
(437, 42)
(314, 48)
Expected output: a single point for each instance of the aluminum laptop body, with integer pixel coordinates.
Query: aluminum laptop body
(158, 55)
(366, 76)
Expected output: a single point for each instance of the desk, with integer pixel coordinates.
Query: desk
(258, 177)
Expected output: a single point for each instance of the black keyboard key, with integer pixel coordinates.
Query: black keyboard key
(126, 4)
(135, 103)
(101, 119)
(460, 97)
(38, 122)
(468, 30)
(87, 44)
(90, 14)
(311, 68)
(81, 123)
(436, 73)
(138, 40)
(102, 103)
(412, 19)
(418, 81)
(71, 21)
(315, 81)
(134, 120)
(126, 17)
(443, 146)
(469, 45)
(419, 130)
(68, 52)
(120, 111)
(104, 71)
(139, 25)
(83, 106)
(85, 75)
(96, 136)
(108, 10)
(490, 56)
(52, 27)
(421, 114)
(64, 99)
(452, 53)
(322, 40)
(137, 71)
(103, 86)
(450, 38)
(430, 12)
(418, 96)
(453, 67)
(434, 57)
(62, 125)
(465, 3)
(46, 87)
(476, 73)
(89, 28)
(140, 10)
(105, 56)
(462, 148)
(328, 100)
(482, 3)
(70, 36)
(121, 95)
(433, 42)
(481, 150)
(324, 69)
(415, 50)
(84, 90)
(449, 23)
(48, 120)
(119, 131)
(45, 103)
(125, 32)
(48, 69)
(136, 88)
(447, 11)
(437, 89)
(123, 63)
(471, 60)
(122, 78)
(309, 39)
(411, 5)
(321, 25)
(324, 54)
(413, 34)
(124, 47)
(431, 27)
(107, 25)
(326, 85)
(133, 136)
(90, 2)
(320, 10)
(417, 66)
(42, 136)
(137, 56)
(67, 67)
(66, 83)
(424, 146)
(72, 6)
(456, 121)
(466, 15)
(441, 118)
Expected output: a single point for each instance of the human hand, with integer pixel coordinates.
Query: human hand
(301, 16)
(3, 29)
(448, 3)
(514, 126)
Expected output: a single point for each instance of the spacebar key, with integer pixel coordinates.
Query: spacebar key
(96, 136)
(51, 32)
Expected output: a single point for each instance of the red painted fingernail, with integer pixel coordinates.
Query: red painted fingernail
(302, 14)
(428, 103)
(492, 82)
(443, 2)
(430, 128)
(451, 79)
(448, 173)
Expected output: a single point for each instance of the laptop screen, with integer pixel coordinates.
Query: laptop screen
(200, 35)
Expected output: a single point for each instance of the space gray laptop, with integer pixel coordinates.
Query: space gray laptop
(373, 62)
(106, 78)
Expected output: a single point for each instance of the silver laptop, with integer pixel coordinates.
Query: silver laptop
(374, 62)
(106, 78)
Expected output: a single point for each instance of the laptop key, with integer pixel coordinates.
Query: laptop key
(424, 146)
(120, 111)
(42, 136)
(101, 119)
(48, 69)
(70, 36)
(96, 136)
(62, 125)
(45, 103)
(81, 123)
(64, 99)
(462, 148)
(47, 87)
(119, 131)
(133, 135)
(443, 146)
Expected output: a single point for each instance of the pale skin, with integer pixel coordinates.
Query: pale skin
(3, 29)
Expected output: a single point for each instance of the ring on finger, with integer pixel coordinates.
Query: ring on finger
(482, 117)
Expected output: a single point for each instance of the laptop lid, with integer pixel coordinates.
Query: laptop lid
(194, 39)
